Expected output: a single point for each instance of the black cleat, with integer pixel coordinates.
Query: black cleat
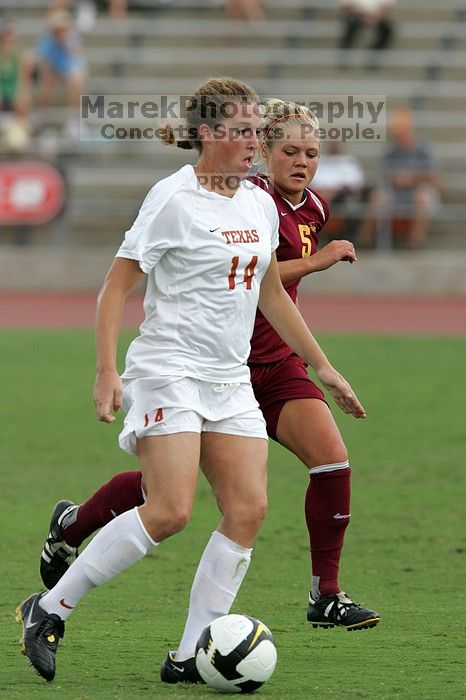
(173, 671)
(339, 610)
(41, 633)
(57, 556)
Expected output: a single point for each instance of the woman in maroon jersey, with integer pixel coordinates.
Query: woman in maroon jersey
(294, 408)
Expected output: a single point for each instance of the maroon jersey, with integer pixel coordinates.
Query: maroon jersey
(298, 229)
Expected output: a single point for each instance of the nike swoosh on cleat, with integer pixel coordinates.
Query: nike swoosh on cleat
(28, 621)
(65, 605)
(178, 668)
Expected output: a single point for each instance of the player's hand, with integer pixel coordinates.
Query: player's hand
(341, 391)
(108, 392)
(333, 252)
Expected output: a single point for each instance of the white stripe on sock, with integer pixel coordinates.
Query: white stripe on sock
(329, 467)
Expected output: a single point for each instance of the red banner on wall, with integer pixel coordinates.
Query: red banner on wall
(30, 193)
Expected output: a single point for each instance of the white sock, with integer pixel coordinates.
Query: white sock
(119, 544)
(218, 577)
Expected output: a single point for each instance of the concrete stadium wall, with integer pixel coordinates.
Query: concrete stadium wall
(389, 273)
(427, 273)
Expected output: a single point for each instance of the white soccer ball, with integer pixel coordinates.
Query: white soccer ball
(236, 654)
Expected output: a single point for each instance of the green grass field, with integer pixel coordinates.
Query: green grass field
(404, 553)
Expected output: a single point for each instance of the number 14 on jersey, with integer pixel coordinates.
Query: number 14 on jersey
(247, 275)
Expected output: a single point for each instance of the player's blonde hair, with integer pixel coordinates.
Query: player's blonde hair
(278, 114)
(207, 106)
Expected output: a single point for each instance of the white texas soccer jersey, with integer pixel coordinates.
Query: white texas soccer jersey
(205, 255)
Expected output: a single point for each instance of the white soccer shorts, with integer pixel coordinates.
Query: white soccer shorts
(167, 405)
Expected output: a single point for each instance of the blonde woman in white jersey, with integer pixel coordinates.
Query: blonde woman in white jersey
(206, 245)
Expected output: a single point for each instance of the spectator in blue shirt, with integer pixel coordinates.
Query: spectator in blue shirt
(61, 60)
(409, 185)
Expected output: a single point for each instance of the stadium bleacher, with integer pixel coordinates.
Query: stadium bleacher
(175, 44)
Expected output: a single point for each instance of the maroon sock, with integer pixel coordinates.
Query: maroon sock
(327, 510)
(118, 495)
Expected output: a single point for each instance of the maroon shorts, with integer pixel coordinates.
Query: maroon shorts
(275, 383)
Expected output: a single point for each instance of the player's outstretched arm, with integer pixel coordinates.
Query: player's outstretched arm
(283, 315)
(123, 276)
(332, 253)
(341, 391)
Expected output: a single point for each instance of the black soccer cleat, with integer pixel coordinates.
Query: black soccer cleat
(57, 556)
(339, 610)
(41, 633)
(173, 671)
